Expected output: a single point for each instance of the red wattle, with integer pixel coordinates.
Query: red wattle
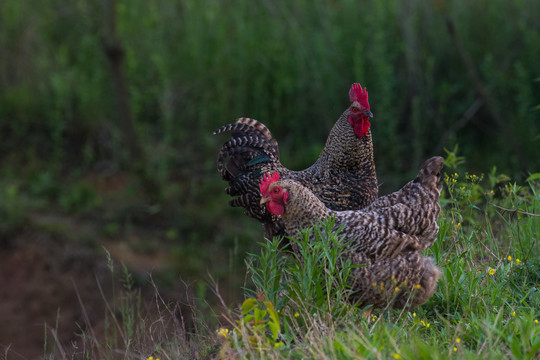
(365, 126)
(360, 125)
(275, 208)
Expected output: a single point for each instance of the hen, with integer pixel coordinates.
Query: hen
(343, 177)
(386, 237)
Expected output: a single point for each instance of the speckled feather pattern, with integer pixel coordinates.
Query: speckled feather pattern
(343, 177)
(387, 236)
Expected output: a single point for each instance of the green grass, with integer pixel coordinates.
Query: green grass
(487, 304)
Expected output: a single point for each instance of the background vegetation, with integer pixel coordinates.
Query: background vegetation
(107, 110)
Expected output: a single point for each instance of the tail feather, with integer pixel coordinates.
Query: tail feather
(250, 147)
(242, 150)
(428, 179)
(430, 172)
(259, 159)
(242, 160)
(250, 143)
(244, 184)
(235, 166)
(233, 127)
(257, 125)
(414, 208)
(250, 127)
(245, 125)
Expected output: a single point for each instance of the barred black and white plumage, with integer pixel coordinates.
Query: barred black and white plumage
(387, 236)
(343, 177)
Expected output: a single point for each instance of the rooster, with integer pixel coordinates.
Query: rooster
(387, 237)
(343, 177)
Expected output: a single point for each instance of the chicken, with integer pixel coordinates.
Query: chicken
(343, 177)
(387, 236)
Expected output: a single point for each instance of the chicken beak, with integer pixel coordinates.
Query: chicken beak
(368, 113)
(264, 200)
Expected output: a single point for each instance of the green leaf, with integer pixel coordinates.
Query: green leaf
(248, 305)
(246, 319)
(532, 177)
(274, 328)
(259, 314)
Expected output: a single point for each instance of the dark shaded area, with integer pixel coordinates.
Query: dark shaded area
(40, 276)
(107, 110)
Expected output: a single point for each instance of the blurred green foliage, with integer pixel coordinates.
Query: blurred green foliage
(193, 65)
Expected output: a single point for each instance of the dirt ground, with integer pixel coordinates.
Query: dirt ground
(40, 277)
(49, 283)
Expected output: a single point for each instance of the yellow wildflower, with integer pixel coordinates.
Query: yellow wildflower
(517, 261)
(414, 314)
(536, 321)
(397, 289)
(491, 271)
(513, 313)
(455, 348)
(417, 286)
(458, 340)
(222, 331)
(296, 315)
(396, 356)
(509, 258)
(427, 325)
(422, 322)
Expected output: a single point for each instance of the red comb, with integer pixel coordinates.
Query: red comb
(266, 181)
(357, 94)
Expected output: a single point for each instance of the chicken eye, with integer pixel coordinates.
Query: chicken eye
(355, 110)
(276, 190)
